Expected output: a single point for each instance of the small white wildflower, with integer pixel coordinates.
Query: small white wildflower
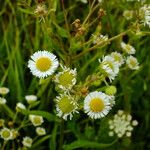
(20, 106)
(109, 67)
(40, 131)
(4, 90)
(14, 134)
(30, 98)
(66, 79)
(144, 13)
(40, 10)
(128, 14)
(118, 58)
(43, 64)
(36, 120)
(121, 124)
(2, 101)
(6, 134)
(132, 63)
(27, 141)
(99, 39)
(128, 48)
(66, 106)
(97, 105)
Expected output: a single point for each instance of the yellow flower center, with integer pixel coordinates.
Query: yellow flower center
(133, 63)
(66, 78)
(97, 105)
(128, 48)
(37, 120)
(43, 64)
(65, 105)
(6, 134)
(117, 58)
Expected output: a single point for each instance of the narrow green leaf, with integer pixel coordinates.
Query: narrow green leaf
(41, 140)
(86, 144)
(44, 114)
(9, 112)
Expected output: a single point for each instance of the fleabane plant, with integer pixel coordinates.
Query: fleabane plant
(77, 74)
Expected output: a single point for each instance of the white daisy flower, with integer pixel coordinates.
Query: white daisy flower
(121, 124)
(6, 134)
(144, 13)
(36, 120)
(2, 101)
(109, 67)
(27, 141)
(66, 106)
(40, 131)
(118, 58)
(97, 105)
(132, 63)
(30, 98)
(43, 64)
(4, 90)
(128, 48)
(66, 79)
(128, 14)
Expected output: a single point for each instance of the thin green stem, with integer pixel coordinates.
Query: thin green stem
(100, 45)
(61, 134)
(90, 12)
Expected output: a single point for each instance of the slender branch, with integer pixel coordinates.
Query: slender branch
(89, 14)
(99, 45)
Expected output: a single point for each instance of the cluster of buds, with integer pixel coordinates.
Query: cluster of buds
(78, 28)
(122, 124)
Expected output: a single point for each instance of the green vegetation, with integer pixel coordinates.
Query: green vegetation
(67, 28)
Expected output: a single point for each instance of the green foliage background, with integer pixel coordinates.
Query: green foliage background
(21, 34)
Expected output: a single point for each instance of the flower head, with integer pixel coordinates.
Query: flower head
(36, 120)
(20, 106)
(27, 141)
(66, 106)
(14, 134)
(43, 64)
(144, 13)
(117, 58)
(4, 90)
(31, 98)
(40, 131)
(128, 48)
(128, 14)
(109, 67)
(6, 134)
(99, 39)
(121, 124)
(66, 79)
(40, 10)
(2, 101)
(97, 105)
(132, 63)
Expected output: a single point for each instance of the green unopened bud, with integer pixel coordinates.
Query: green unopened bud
(111, 90)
